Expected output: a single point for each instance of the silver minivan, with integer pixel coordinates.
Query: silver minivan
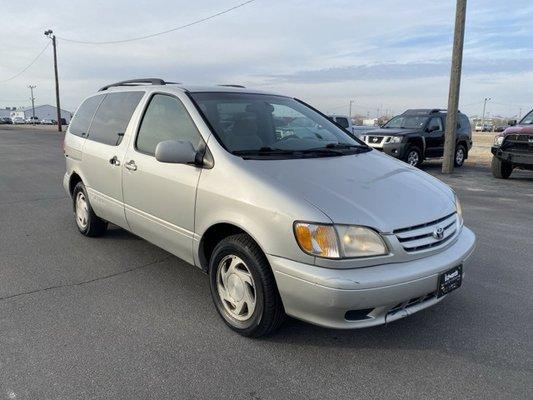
(285, 211)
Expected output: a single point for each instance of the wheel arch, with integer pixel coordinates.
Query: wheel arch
(74, 179)
(213, 235)
(418, 141)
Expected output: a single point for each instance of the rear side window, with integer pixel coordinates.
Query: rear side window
(82, 119)
(343, 122)
(113, 116)
(166, 119)
(464, 124)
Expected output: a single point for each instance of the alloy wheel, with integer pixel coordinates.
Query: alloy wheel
(413, 158)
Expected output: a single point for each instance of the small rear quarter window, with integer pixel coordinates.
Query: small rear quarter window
(84, 115)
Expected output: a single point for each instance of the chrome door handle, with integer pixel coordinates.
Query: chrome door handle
(131, 165)
(114, 161)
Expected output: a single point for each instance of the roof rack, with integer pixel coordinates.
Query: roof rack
(137, 82)
(425, 111)
(235, 86)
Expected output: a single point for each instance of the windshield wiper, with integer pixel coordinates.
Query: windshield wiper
(336, 148)
(261, 151)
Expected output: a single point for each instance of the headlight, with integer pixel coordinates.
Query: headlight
(323, 240)
(459, 210)
(393, 139)
(498, 140)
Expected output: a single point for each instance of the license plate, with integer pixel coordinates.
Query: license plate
(450, 280)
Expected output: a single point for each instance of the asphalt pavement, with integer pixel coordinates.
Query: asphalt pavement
(118, 318)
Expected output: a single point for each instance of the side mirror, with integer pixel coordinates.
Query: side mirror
(175, 152)
(512, 122)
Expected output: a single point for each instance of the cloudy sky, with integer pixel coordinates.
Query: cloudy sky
(384, 54)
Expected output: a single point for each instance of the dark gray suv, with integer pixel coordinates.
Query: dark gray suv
(419, 134)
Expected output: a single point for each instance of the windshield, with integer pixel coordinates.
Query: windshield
(528, 119)
(407, 121)
(267, 124)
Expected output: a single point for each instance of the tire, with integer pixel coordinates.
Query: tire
(459, 156)
(413, 156)
(500, 168)
(88, 223)
(234, 261)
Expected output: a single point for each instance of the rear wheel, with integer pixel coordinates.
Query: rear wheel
(500, 168)
(460, 155)
(243, 287)
(88, 223)
(413, 156)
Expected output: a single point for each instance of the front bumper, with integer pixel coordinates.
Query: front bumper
(519, 158)
(396, 150)
(323, 296)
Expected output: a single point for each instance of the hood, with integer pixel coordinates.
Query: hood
(393, 132)
(519, 130)
(368, 189)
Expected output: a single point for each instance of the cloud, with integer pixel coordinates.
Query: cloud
(386, 52)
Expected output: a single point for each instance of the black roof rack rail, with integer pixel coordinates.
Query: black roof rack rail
(425, 111)
(137, 82)
(235, 86)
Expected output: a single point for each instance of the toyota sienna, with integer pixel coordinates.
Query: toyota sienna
(285, 211)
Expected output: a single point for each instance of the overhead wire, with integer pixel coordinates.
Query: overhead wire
(158, 33)
(28, 66)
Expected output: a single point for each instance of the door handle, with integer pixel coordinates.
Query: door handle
(131, 165)
(114, 161)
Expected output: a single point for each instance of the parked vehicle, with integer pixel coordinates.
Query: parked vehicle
(488, 127)
(32, 120)
(48, 122)
(419, 134)
(18, 120)
(346, 122)
(513, 148)
(319, 227)
(6, 121)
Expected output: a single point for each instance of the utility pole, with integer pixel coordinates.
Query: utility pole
(49, 34)
(31, 87)
(350, 116)
(483, 116)
(455, 85)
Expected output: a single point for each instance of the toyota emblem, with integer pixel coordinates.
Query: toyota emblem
(438, 233)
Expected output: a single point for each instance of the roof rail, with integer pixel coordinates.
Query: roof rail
(137, 82)
(235, 86)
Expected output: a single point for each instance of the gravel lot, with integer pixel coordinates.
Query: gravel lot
(117, 317)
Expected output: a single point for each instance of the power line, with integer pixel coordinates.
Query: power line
(160, 33)
(29, 65)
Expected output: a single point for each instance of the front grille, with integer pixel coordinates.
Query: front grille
(431, 234)
(518, 142)
(411, 302)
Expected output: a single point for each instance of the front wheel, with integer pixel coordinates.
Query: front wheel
(413, 156)
(243, 287)
(500, 168)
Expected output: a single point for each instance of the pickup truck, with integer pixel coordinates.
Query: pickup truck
(513, 148)
(346, 123)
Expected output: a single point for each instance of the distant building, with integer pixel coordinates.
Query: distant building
(45, 111)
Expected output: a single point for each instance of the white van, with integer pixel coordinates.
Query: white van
(305, 222)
